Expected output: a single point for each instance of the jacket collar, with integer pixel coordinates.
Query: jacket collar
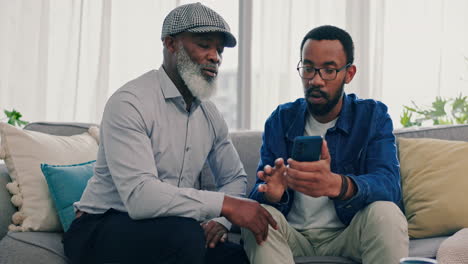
(343, 123)
(345, 119)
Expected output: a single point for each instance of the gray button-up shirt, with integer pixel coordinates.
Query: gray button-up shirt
(152, 151)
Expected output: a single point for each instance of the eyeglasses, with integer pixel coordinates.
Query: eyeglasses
(327, 74)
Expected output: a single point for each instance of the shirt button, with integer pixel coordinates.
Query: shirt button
(187, 149)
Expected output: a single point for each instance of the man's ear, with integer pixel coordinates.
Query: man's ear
(170, 43)
(350, 73)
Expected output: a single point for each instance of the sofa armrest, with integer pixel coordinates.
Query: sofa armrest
(6, 207)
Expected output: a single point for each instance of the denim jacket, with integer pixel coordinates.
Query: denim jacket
(361, 145)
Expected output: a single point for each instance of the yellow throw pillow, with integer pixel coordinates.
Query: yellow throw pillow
(434, 175)
(23, 152)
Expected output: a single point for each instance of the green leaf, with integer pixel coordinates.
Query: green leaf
(405, 119)
(436, 112)
(14, 118)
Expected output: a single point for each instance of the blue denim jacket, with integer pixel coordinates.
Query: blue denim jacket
(361, 144)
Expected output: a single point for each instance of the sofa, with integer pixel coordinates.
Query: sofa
(46, 247)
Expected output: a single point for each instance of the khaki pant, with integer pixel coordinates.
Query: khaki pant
(377, 234)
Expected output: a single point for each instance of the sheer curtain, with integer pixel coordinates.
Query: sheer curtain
(62, 59)
(278, 29)
(426, 46)
(54, 58)
(405, 50)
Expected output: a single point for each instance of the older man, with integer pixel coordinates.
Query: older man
(156, 133)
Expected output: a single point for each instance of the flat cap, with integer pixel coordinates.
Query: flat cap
(196, 18)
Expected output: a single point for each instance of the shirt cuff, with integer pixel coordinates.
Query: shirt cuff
(224, 222)
(213, 203)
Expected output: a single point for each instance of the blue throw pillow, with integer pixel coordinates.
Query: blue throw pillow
(66, 185)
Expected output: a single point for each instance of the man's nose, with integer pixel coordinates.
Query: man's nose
(317, 80)
(214, 56)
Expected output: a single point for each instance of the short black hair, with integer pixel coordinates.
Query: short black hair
(332, 33)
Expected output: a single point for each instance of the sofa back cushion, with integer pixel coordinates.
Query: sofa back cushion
(247, 144)
(434, 182)
(59, 128)
(448, 132)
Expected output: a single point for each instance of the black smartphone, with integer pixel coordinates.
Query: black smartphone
(307, 148)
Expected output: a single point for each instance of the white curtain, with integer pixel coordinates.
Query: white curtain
(405, 50)
(61, 59)
(276, 47)
(426, 43)
(55, 58)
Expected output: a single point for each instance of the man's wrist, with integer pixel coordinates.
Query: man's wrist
(351, 189)
(343, 188)
(227, 208)
(347, 189)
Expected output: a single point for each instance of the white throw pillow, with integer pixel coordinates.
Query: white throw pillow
(23, 152)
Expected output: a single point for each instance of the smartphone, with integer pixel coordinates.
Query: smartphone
(307, 148)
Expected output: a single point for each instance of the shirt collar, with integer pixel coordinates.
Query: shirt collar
(343, 123)
(168, 88)
(170, 91)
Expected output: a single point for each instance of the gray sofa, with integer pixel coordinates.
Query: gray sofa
(43, 247)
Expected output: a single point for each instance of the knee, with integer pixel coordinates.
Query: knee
(277, 215)
(280, 219)
(248, 236)
(384, 214)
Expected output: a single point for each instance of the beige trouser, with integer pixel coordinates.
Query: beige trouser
(377, 234)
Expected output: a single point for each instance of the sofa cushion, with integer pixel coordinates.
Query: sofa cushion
(66, 185)
(50, 246)
(32, 247)
(23, 152)
(433, 174)
(425, 247)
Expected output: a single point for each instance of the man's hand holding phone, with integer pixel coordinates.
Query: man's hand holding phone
(311, 176)
(316, 178)
(275, 179)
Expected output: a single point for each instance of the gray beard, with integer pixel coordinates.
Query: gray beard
(190, 72)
